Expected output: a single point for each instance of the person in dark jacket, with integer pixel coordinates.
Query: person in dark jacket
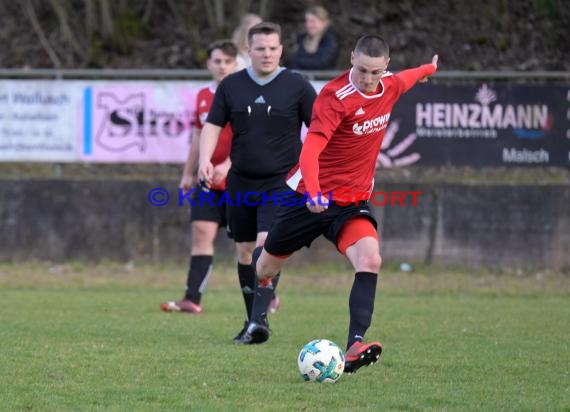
(317, 48)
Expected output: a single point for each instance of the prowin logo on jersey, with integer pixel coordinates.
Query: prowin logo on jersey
(371, 126)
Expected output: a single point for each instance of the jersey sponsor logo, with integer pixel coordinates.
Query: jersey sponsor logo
(260, 100)
(360, 112)
(370, 126)
(203, 103)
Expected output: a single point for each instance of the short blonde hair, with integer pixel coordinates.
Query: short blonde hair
(240, 33)
(319, 12)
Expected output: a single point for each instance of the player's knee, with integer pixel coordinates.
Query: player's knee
(244, 251)
(369, 262)
(203, 239)
(244, 257)
(201, 234)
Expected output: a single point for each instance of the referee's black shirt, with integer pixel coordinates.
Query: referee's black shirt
(266, 121)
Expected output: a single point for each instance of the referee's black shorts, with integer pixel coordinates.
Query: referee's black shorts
(253, 203)
(296, 226)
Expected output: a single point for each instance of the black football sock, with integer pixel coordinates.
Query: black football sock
(275, 282)
(263, 294)
(200, 268)
(247, 282)
(361, 304)
(255, 257)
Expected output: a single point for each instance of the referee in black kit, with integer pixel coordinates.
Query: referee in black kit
(266, 105)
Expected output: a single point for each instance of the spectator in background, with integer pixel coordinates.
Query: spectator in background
(240, 38)
(317, 48)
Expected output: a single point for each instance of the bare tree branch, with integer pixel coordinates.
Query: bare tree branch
(210, 16)
(219, 11)
(31, 14)
(106, 19)
(181, 19)
(123, 6)
(243, 7)
(90, 19)
(68, 34)
(265, 8)
(147, 11)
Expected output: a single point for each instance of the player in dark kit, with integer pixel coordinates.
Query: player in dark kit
(349, 120)
(266, 106)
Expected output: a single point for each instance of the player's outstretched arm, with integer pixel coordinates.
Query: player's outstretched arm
(434, 64)
(418, 74)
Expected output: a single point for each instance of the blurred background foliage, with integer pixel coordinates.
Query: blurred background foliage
(483, 35)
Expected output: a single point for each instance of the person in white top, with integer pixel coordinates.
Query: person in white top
(240, 39)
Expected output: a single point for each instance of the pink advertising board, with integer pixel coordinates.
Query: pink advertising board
(135, 122)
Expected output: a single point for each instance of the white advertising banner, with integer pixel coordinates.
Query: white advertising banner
(39, 120)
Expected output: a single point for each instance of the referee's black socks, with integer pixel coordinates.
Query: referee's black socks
(247, 283)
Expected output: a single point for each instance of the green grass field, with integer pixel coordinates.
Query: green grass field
(88, 338)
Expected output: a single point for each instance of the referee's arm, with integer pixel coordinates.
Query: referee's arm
(208, 141)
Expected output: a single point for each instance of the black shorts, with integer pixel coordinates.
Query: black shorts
(208, 206)
(296, 226)
(253, 203)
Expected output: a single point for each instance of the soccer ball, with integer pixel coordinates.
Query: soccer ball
(321, 361)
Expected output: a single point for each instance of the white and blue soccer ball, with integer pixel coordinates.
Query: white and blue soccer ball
(321, 361)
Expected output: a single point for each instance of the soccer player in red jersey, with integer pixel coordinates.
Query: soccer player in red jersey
(349, 119)
(205, 217)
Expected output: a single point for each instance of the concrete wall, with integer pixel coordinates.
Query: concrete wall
(515, 226)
